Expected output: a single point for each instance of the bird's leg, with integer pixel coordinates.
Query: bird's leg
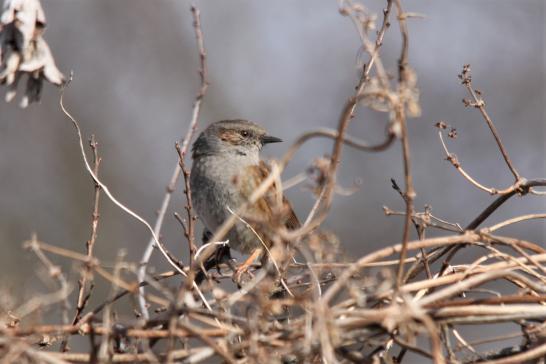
(243, 268)
(221, 255)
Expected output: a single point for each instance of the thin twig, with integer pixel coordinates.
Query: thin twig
(55, 273)
(84, 292)
(479, 103)
(452, 158)
(203, 73)
(189, 226)
(409, 192)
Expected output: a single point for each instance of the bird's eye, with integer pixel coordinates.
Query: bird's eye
(245, 133)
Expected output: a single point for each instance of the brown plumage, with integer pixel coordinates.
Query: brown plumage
(226, 171)
(263, 210)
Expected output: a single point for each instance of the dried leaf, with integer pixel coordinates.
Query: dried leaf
(23, 50)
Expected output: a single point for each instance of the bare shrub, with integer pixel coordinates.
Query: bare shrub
(307, 304)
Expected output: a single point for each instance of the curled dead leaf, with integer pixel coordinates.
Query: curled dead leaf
(24, 52)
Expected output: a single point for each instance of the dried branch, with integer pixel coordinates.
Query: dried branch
(308, 305)
(479, 103)
(203, 73)
(85, 289)
(55, 273)
(24, 52)
(452, 158)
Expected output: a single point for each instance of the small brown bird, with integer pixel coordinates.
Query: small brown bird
(225, 172)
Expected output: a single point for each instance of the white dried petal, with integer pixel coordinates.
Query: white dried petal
(12, 88)
(10, 67)
(50, 70)
(25, 13)
(23, 50)
(38, 57)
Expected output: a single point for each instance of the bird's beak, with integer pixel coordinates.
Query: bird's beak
(266, 139)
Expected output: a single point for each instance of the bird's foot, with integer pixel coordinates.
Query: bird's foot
(243, 274)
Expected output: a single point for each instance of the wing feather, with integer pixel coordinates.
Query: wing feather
(255, 175)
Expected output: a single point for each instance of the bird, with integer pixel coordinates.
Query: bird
(226, 170)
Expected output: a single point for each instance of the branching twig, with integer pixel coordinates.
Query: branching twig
(84, 292)
(203, 73)
(323, 309)
(55, 273)
(479, 103)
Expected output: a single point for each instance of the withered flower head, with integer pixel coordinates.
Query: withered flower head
(23, 50)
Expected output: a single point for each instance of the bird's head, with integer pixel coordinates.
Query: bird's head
(239, 137)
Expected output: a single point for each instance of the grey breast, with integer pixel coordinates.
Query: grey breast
(213, 190)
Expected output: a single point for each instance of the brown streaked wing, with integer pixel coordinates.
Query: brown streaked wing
(255, 175)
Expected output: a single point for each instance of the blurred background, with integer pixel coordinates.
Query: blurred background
(289, 66)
